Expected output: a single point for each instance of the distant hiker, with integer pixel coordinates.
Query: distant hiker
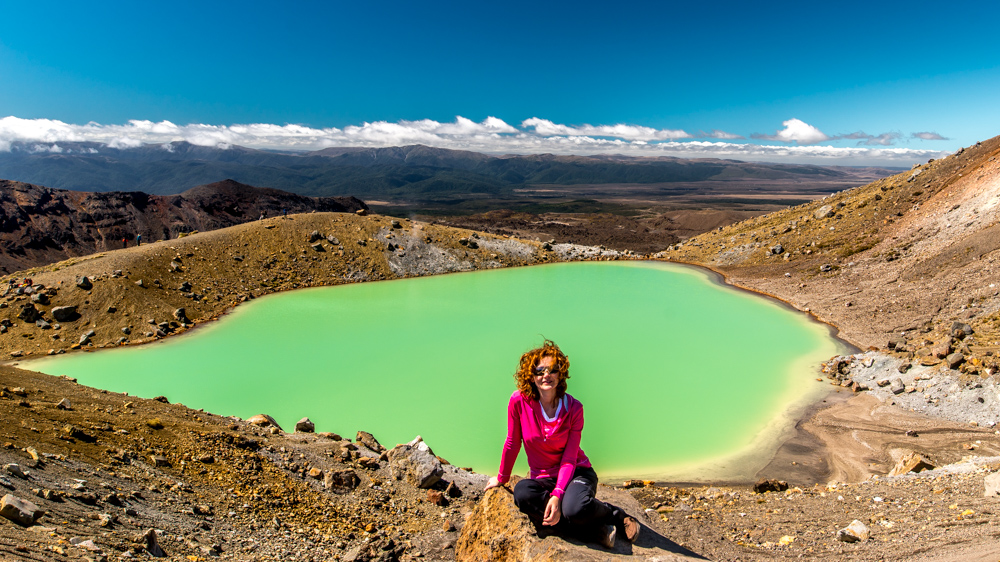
(124, 242)
(138, 239)
(560, 489)
(263, 215)
(284, 213)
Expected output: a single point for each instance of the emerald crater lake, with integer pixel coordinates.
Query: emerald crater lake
(681, 377)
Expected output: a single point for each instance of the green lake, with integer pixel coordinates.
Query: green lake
(680, 376)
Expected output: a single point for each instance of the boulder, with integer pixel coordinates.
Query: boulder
(912, 462)
(770, 485)
(777, 249)
(15, 469)
(84, 283)
(152, 547)
(855, 532)
(341, 481)
(19, 511)
(40, 298)
(824, 212)
(314, 236)
(960, 330)
(415, 463)
(65, 313)
(64, 404)
(181, 316)
(369, 441)
(29, 313)
(305, 425)
(264, 420)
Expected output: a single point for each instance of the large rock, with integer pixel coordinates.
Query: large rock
(19, 511)
(912, 462)
(770, 485)
(954, 360)
(64, 313)
(496, 531)
(416, 464)
(84, 283)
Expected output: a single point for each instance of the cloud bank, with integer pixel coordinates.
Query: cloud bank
(801, 142)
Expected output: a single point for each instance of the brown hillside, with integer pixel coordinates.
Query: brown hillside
(909, 254)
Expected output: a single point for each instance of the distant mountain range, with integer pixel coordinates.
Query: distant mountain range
(406, 174)
(40, 225)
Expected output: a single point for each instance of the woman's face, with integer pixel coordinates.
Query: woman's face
(546, 377)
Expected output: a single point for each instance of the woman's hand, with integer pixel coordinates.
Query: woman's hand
(553, 511)
(493, 483)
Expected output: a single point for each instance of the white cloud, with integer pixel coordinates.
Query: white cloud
(796, 131)
(491, 135)
(927, 135)
(545, 127)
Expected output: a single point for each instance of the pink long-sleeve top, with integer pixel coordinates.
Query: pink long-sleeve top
(553, 447)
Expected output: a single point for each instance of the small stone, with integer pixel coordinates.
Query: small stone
(437, 498)
(954, 360)
(882, 382)
(180, 315)
(15, 469)
(305, 425)
(84, 283)
(341, 481)
(152, 547)
(855, 532)
(368, 440)
(897, 386)
(314, 236)
(263, 420)
(912, 462)
(64, 404)
(141, 283)
(448, 526)
(159, 460)
(770, 485)
(315, 473)
(826, 211)
(154, 423)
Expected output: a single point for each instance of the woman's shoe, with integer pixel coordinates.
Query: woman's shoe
(607, 536)
(632, 528)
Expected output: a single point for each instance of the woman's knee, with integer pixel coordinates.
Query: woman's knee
(577, 503)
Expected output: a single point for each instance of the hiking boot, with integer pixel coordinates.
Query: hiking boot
(632, 528)
(607, 536)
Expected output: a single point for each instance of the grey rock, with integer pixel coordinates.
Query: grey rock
(896, 342)
(333, 240)
(305, 425)
(126, 330)
(855, 532)
(84, 283)
(318, 246)
(141, 283)
(64, 313)
(6, 483)
(992, 484)
(64, 404)
(263, 420)
(181, 315)
(897, 386)
(41, 323)
(904, 366)
(826, 211)
(826, 267)
(963, 328)
(395, 224)
(185, 287)
(85, 337)
(40, 298)
(954, 360)
(777, 249)
(415, 464)
(19, 511)
(152, 547)
(314, 236)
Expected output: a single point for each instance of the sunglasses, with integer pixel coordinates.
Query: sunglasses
(539, 371)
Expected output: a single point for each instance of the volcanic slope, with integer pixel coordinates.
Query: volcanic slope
(40, 225)
(907, 255)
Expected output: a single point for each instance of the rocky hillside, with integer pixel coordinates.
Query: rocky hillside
(896, 264)
(39, 225)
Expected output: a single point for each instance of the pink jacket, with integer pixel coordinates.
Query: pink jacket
(553, 456)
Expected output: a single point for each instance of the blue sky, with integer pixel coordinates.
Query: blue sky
(861, 77)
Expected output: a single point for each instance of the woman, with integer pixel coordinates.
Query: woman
(562, 484)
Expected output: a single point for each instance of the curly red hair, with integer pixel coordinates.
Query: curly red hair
(525, 375)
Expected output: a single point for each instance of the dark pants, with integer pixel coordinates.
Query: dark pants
(582, 513)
